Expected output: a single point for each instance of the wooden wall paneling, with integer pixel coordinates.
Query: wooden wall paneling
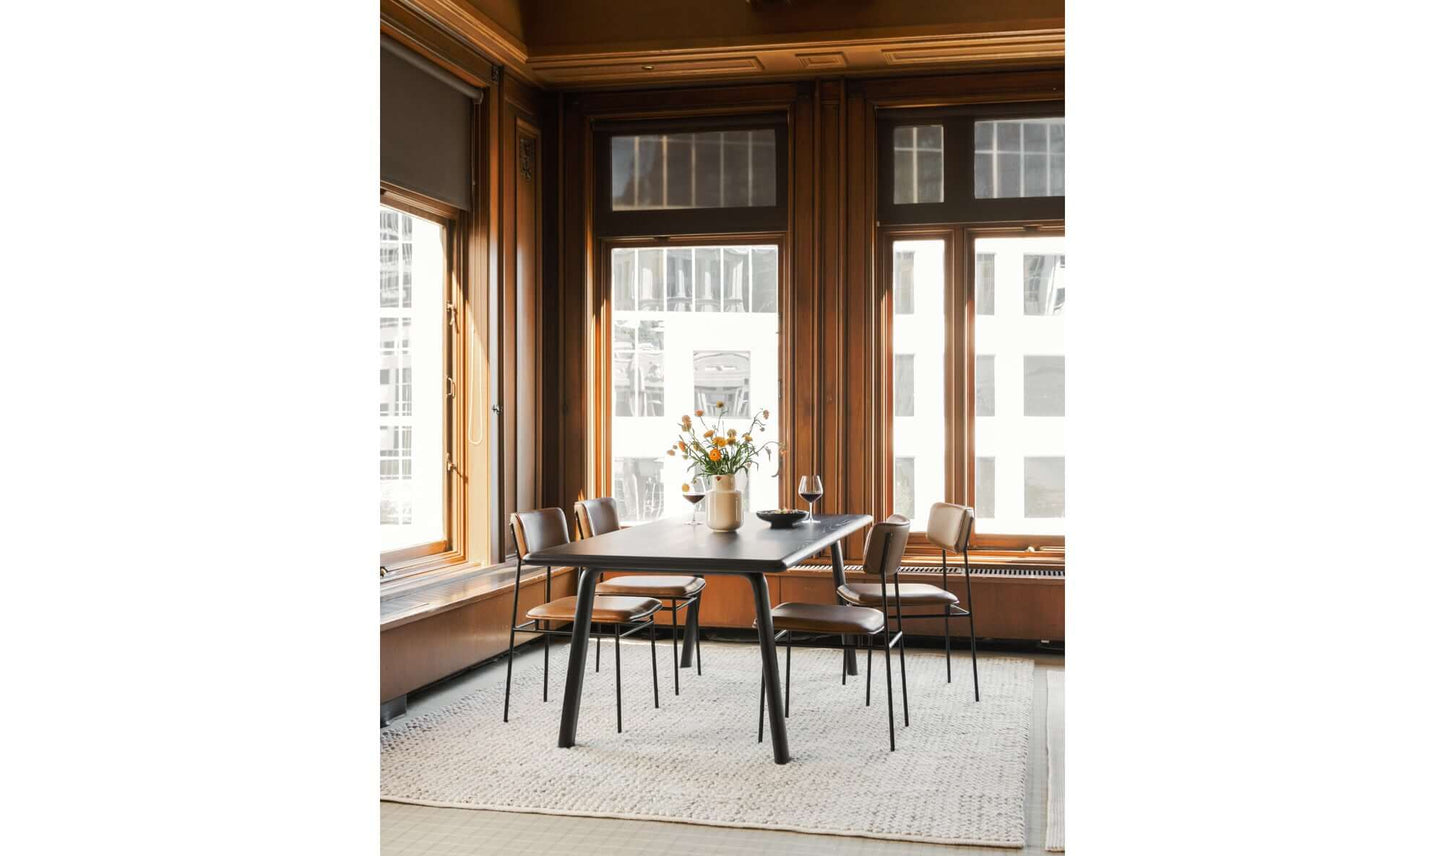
(862, 393)
(431, 648)
(575, 303)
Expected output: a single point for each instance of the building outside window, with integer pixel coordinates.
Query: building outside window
(919, 335)
(1019, 436)
(691, 326)
(412, 319)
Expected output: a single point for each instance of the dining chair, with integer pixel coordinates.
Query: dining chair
(949, 528)
(539, 530)
(599, 516)
(882, 555)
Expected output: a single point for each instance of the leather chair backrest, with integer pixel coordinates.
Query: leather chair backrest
(883, 549)
(597, 516)
(949, 526)
(538, 530)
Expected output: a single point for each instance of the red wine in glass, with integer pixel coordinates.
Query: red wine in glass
(810, 488)
(695, 493)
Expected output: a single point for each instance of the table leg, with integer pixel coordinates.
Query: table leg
(577, 657)
(774, 694)
(850, 654)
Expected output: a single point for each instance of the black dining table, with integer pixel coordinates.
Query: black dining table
(673, 546)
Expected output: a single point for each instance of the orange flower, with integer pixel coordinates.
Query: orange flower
(714, 455)
(747, 438)
(682, 445)
(696, 413)
(732, 441)
(719, 442)
(687, 488)
(732, 432)
(765, 414)
(672, 452)
(708, 433)
(721, 405)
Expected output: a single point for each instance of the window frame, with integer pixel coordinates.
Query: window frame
(959, 370)
(689, 222)
(959, 204)
(450, 549)
(603, 407)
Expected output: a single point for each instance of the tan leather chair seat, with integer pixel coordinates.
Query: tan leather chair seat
(825, 618)
(609, 610)
(649, 586)
(909, 594)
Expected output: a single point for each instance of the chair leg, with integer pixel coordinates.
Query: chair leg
(947, 643)
(652, 640)
(762, 700)
(888, 672)
(675, 689)
(843, 641)
(599, 652)
(511, 646)
(902, 661)
(617, 655)
(788, 676)
(868, 689)
(694, 615)
(972, 639)
(546, 660)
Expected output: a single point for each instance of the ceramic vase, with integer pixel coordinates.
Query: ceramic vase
(724, 504)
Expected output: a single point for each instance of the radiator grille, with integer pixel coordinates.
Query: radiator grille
(976, 570)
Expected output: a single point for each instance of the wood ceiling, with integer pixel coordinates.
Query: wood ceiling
(578, 44)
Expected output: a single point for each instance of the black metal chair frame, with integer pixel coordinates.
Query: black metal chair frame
(618, 634)
(786, 636)
(952, 611)
(692, 627)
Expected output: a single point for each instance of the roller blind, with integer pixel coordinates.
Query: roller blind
(426, 127)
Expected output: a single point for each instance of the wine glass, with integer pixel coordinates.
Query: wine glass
(810, 488)
(693, 492)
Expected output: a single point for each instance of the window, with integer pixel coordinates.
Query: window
(983, 487)
(1043, 284)
(919, 422)
(983, 386)
(971, 164)
(1023, 157)
(691, 326)
(714, 177)
(917, 164)
(983, 284)
(1043, 386)
(1021, 349)
(903, 492)
(716, 169)
(413, 357)
(1044, 487)
(902, 384)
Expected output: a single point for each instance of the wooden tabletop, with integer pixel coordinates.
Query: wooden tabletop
(673, 545)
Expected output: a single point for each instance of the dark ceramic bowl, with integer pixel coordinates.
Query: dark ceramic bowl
(782, 519)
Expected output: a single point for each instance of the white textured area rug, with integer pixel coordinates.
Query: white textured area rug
(1054, 837)
(958, 776)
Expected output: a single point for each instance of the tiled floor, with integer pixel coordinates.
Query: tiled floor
(411, 829)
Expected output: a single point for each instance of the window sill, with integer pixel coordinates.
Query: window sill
(424, 595)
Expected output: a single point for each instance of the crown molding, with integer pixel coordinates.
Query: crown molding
(880, 55)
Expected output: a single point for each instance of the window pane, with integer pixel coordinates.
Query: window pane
(1019, 367)
(1044, 487)
(1043, 386)
(624, 280)
(917, 164)
(710, 335)
(902, 385)
(711, 169)
(413, 353)
(1018, 157)
(919, 430)
(983, 386)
